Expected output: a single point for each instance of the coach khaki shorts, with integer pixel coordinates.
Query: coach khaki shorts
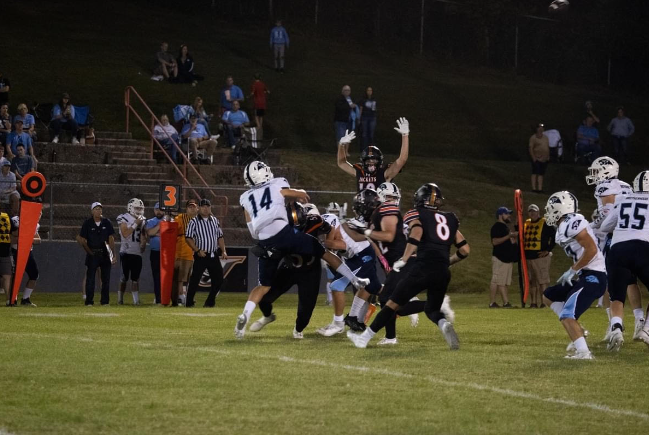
(183, 270)
(539, 270)
(501, 273)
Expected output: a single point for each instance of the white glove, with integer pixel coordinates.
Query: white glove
(403, 126)
(367, 232)
(141, 218)
(398, 265)
(356, 224)
(348, 137)
(566, 278)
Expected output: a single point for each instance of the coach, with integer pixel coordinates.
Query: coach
(205, 238)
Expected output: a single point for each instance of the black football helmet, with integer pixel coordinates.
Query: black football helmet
(429, 195)
(365, 202)
(296, 215)
(316, 226)
(370, 154)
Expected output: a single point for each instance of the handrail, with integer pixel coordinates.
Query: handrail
(154, 120)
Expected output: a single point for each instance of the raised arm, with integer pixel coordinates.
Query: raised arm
(403, 127)
(342, 157)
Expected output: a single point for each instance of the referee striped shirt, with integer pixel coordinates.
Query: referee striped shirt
(205, 232)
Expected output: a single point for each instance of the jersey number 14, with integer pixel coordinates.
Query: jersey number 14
(265, 202)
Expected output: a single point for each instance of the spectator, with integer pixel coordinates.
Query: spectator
(258, 94)
(184, 255)
(503, 255)
(21, 163)
(6, 228)
(2, 155)
(229, 94)
(165, 65)
(185, 64)
(539, 149)
(19, 136)
(197, 138)
(556, 144)
(621, 128)
(343, 113)
(29, 123)
(153, 232)
(588, 106)
(367, 117)
(201, 116)
(233, 121)
(166, 134)
(588, 147)
(5, 123)
(8, 193)
(4, 89)
(539, 242)
(98, 241)
(279, 43)
(63, 118)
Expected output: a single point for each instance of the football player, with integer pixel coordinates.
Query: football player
(629, 254)
(370, 172)
(568, 299)
(267, 221)
(339, 212)
(31, 268)
(432, 232)
(133, 244)
(603, 173)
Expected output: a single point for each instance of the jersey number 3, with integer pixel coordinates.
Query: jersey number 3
(265, 202)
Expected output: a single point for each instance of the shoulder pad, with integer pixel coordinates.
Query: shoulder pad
(389, 210)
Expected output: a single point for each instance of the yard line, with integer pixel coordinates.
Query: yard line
(4, 432)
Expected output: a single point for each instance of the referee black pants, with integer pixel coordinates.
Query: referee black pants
(213, 266)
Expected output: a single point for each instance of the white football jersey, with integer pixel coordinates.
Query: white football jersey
(130, 244)
(628, 220)
(610, 187)
(568, 228)
(353, 247)
(266, 207)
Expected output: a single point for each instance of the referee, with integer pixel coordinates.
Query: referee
(205, 238)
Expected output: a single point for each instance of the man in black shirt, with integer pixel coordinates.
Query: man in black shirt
(503, 255)
(97, 240)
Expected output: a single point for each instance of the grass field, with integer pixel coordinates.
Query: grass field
(149, 370)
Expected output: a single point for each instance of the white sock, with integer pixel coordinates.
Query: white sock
(249, 308)
(580, 344)
(183, 299)
(329, 296)
(368, 333)
(28, 292)
(362, 312)
(600, 301)
(339, 318)
(120, 296)
(441, 324)
(638, 313)
(608, 313)
(557, 307)
(615, 320)
(346, 272)
(136, 297)
(357, 305)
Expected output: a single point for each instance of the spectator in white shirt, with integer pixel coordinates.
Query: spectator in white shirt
(621, 128)
(8, 192)
(164, 133)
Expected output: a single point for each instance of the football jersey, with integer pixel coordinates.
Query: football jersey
(353, 247)
(392, 251)
(265, 205)
(130, 244)
(629, 218)
(568, 228)
(606, 188)
(439, 229)
(369, 181)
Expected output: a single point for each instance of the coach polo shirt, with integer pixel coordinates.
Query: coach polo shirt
(236, 118)
(97, 235)
(154, 241)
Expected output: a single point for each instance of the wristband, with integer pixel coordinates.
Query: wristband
(460, 255)
(367, 232)
(462, 243)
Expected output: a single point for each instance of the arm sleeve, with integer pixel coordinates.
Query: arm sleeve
(412, 215)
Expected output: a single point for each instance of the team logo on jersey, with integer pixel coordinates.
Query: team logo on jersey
(602, 190)
(575, 224)
(227, 265)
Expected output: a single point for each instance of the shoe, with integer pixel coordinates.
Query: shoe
(533, 306)
(450, 336)
(215, 136)
(354, 324)
(332, 329)
(644, 336)
(209, 305)
(360, 282)
(120, 302)
(233, 147)
(240, 327)
(414, 319)
(571, 348)
(190, 305)
(359, 340)
(106, 305)
(298, 335)
(27, 302)
(580, 354)
(55, 140)
(9, 304)
(387, 341)
(494, 305)
(507, 305)
(75, 141)
(542, 306)
(2, 291)
(91, 304)
(259, 324)
(639, 324)
(329, 302)
(615, 339)
(446, 309)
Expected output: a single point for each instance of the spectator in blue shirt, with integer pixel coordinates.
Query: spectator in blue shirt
(198, 138)
(153, 232)
(229, 94)
(21, 164)
(63, 118)
(279, 43)
(5, 124)
(19, 136)
(233, 121)
(29, 123)
(588, 141)
(621, 128)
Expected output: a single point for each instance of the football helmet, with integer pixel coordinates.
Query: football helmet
(602, 168)
(316, 226)
(387, 191)
(256, 173)
(135, 207)
(560, 204)
(371, 159)
(331, 219)
(296, 214)
(429, 195)
(641, 182)
(365, 202)
(310, 209)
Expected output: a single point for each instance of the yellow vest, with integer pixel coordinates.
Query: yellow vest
(5, 228)
(532, 234)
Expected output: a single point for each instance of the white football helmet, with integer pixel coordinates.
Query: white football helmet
(602, 168)
(16, 221)
(333, 208)
(560, 204)
(641, 182)
(389, 191)
(310, 209)
(135, 207)
(256, 173)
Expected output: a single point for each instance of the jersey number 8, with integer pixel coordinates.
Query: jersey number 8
(443, 231)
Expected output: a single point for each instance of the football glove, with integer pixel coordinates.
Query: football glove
(348, 137)
(566, 278)
(384, 264)
(403, 126)
(398, 265)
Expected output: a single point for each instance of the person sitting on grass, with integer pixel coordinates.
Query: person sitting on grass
(185, 64)
(165, 65)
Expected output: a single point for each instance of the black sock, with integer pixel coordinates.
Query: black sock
(391, 328)
(266, 308)
(382, 318)
(412, 307)
(435, 316)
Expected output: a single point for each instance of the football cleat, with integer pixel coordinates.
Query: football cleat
(644, 336)
(359, 340)
(259, 324)
(353, 324)
(297, 335)
(240, 327)
(27, 303)
(388, 341)
(571, 349)
(615, 340)
(332, 329)
(450, 336)
(639, 324)
(580, 354)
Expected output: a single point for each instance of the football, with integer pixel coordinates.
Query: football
(558, 6)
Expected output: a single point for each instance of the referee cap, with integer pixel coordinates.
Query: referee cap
(96, 204)
(205, 201)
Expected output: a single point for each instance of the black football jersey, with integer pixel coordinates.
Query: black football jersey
(439, 228)
(369, 181)
(392, 251)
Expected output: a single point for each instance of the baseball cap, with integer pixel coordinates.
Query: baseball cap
(190, 201)
(6, 163)
(156, 206)
(65, 96)
(204, 201)
(503, 210)
(533, 207)
(96, 204)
